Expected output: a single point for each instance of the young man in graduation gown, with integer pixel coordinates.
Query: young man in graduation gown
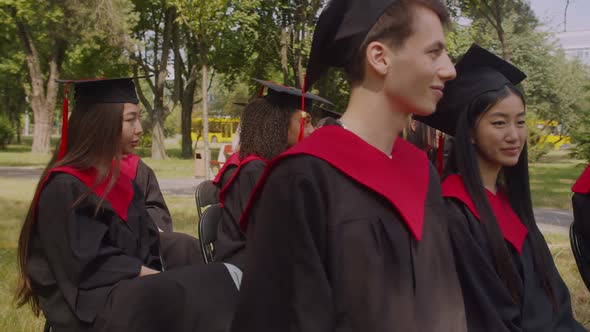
(270, 125)
(347, 230)
(580, 229)
(88, 251)
(507, 273)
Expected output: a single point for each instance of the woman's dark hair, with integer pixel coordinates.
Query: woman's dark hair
(264, 127)
(94, 141)
(514, 181)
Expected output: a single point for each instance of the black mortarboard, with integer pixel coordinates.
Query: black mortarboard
(319, 112)
(93, 91)
(113, 90)
(479, 71)
(341, 29)
(287, 93)
(291, 96)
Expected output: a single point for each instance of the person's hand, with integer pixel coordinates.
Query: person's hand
(146, 271)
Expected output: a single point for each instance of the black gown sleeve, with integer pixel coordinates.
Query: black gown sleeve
(73, 240)
(154, 200)
(285, 286)
(251, 173)
(230, 246)
(581, 206)
(488, 304)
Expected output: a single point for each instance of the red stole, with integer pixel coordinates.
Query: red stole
(582, 185)
(234, 159)
(510, 224)
(225, 189)
(402, 180)
(129, 166)
(120, 195)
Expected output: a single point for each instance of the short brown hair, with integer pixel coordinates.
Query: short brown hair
(393, 27)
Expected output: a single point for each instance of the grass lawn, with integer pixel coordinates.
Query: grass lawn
(552, 178)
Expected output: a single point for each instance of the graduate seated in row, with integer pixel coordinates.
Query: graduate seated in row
(270, 125)
(507, 273)
(347, 230)
(89, 252)
(580, 232)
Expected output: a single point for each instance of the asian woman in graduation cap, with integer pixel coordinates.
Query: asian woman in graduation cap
(508, 277)
(89, 253)
(270, 125)
(580, 229)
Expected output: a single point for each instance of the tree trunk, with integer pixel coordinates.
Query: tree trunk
(158, 116)
(42, 104)
(187, 113)
(158, 148)
(504, 43)
(284, 49)
(205, 119)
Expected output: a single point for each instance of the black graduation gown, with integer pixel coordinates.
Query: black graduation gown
(177, 249)
(488, 303)
(227, 171)
(581, 207)
(154, 200)
(327, 253)
(84, 269)
(231, 241)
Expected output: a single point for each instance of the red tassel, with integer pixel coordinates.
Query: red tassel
(64, 125)
(302, 121)
(261, 91)
(440, 152)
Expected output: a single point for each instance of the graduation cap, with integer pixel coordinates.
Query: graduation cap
(478, 71)
(94, 91)
(286, 93)
(290, 95)
(341, 29)
(318, 113)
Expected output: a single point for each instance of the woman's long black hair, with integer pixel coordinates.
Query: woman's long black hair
(513, 181)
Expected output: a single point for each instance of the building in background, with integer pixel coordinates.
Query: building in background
(576, 44)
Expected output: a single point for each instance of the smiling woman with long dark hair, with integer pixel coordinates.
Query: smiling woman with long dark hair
(88, 251)
(507, 273)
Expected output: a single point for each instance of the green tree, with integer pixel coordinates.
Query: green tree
(47, 31)
(581, 132)
(220, 28)
(151, 56)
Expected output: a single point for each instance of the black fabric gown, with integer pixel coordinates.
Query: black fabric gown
(581, 226)
(488, 303)
(84, 269)
(230, 245)
(178, 249)
(154, 200)
(581, 206)
(328, 252)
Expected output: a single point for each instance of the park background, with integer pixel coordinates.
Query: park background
(202, 54)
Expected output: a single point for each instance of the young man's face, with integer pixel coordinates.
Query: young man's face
(418, 70)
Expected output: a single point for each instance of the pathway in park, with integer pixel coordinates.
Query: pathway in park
(550, 220)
